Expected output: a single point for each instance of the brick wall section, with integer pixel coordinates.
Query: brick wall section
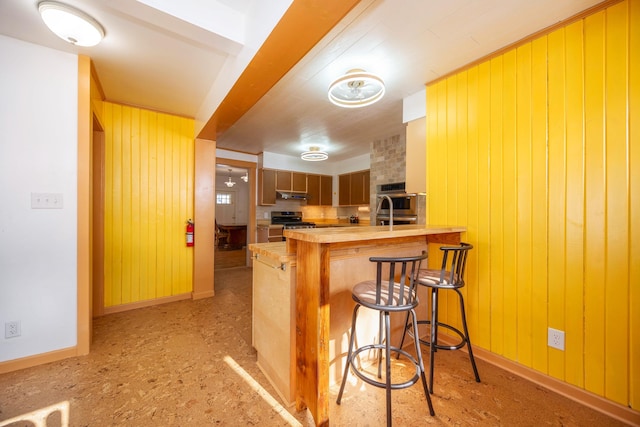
(388, 164)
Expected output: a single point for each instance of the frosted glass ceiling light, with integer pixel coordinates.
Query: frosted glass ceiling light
(356, 89)
(314, 155)
(70, 24)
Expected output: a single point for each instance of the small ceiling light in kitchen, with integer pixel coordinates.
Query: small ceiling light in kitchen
(356, 89)
(229, 183)
(70, 24)
(245, 177)
(314, 155)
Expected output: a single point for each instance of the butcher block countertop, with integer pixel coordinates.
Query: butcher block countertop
(355, 234)
(276, 251)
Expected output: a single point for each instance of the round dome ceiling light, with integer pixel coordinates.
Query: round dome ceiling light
(70, 24)
(314, 155)
(356, 89)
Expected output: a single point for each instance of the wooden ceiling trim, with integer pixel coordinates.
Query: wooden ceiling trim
(302, 26)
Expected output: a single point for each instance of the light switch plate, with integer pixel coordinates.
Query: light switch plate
(46, 201)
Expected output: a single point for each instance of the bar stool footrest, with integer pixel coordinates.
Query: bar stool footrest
(458, 346)
(369, 380)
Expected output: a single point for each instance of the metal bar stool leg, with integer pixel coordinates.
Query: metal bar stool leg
(466, 334)
(349, 353)
(433, 335)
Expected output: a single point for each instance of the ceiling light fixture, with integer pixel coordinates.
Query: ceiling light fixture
(70, 24)
(245, 178)
(314, 155)
(229, 183)
(356, 89)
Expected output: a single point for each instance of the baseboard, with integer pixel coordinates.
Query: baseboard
(146, 303)
(201, 295)
(37, 359)
(584, 397)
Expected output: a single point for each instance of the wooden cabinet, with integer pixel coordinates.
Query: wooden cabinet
(269, 234)
(273, 323)
(344, 189)
(354, 188)
(267, 186)
(320, 188)
(291, 181)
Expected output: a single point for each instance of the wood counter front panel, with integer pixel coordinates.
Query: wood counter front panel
(312, 330)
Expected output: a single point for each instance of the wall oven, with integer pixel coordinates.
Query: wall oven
(404, 205)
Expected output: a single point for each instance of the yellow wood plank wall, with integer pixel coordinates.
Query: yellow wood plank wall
(149, 170)
(537, 152)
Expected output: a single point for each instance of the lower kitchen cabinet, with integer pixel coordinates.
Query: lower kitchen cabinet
(269, 233)
(273, 321)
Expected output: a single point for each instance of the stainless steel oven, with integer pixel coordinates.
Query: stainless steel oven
(404, 205)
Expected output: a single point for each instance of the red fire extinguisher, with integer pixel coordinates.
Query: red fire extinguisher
(189, 233)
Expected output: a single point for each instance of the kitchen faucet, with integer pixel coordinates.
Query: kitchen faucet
(382, 197)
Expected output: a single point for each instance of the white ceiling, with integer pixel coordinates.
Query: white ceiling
(157, 61)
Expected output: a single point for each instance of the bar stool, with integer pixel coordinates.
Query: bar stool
(449, 277)
(387, 295)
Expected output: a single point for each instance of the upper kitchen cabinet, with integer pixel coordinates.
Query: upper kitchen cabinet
(267, 186)
(354, 188)
(291, 181)
(320, 188)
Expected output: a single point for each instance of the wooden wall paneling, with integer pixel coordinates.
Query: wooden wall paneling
(473, 232)
(548, 192)
(510, 197)
(483, 246)
(557, 194)
(524, 233)
(149, 196)
(617, 205)
(496, 207)
(539, 201)
(461, 192)
(594, 214)
(152, 220)
(574, 301)
(634, 201)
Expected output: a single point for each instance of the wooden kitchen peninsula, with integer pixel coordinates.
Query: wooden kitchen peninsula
(329, 262)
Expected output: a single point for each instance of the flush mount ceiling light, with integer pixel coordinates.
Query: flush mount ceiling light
(245, 178)
(356, 89)
(314, 155)
(70, 24)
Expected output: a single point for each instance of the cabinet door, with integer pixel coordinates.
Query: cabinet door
(267, 186)
(299, 182)
(283, 181)
(367, 188)
(326, 190)
(313, 188)
(357, 188)
(344, 189)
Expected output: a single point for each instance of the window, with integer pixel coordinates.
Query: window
(223, 198)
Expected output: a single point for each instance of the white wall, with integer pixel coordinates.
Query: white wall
(38, 153)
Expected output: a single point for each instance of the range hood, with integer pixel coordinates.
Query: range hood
(288, 195)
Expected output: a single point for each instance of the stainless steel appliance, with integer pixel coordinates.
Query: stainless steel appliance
(289, 220)
(403, 203)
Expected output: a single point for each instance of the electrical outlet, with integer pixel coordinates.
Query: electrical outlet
(556, 339)
(12, 329)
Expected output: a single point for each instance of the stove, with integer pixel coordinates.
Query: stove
(290, 220)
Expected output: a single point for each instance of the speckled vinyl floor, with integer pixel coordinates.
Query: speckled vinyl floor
(191, 363)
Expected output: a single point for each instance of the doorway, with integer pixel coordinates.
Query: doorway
(234, 213)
